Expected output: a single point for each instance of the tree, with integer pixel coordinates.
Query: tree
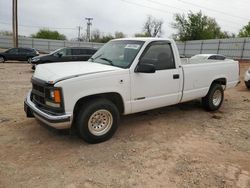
(95, 35)
(225, 34)
(48, 34)
(9, 33)
(196, 27)
(106, 38)
(6, 33)
(245, 31)
(119, 34)
(142, 35)
(152, 27)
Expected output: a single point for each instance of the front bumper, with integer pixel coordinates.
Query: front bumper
(58, 122)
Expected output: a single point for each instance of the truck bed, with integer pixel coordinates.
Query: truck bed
(199, 75)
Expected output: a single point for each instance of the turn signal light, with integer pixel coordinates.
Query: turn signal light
(57, 96)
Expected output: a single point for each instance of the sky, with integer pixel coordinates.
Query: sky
(109, 16)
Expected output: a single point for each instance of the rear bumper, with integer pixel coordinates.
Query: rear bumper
(58, 122)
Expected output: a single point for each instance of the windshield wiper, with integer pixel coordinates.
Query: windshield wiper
(108, 60)
(93, 59)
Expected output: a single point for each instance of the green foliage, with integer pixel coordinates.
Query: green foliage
(142, 35)
(106, 38)
(96, 36)
(48, 34)
(245, 31)
(6, 33)
(225, 34)
(197, 27)
(9, 33)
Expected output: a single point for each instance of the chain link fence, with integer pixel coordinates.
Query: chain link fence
(44, 45)
(235, 48)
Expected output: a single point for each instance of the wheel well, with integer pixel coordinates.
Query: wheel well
(113, 97)
(3, 57)
(221, 81)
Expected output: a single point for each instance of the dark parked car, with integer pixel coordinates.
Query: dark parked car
(64, 55)
(20, 54)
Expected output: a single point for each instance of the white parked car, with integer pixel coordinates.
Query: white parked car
(125, 76)
(208, 57)
(247, 78)
(203, 58)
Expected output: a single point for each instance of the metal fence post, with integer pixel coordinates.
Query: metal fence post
(184, 52)
(243, 49)
(32, 43)
(49, 45)
(201, 46)
(218, 49)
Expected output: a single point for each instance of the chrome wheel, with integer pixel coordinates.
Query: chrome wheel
(100, 122)
(29, 60)
(1, 59)
(217, 97)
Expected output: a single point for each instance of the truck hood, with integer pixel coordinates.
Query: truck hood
(55, 72)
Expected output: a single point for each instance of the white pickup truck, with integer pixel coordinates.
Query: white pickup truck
(125, 76)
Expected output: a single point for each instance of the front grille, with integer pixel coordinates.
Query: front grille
(39, 94)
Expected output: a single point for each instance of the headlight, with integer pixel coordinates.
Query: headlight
(54, 97)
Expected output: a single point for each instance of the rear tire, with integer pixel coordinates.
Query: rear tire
(214, 98)
(97, 120)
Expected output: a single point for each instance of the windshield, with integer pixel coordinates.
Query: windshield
(119, 53)
(57, 50)
(62, 51)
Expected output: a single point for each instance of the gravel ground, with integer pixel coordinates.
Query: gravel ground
(176, 146)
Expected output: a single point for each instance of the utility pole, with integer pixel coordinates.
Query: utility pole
(88, 27)
(14, 23)
(79, 32)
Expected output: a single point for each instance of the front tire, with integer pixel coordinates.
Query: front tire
(214, 98)
(29, 60)
(247, 84)
(97, 120)
(2, 59)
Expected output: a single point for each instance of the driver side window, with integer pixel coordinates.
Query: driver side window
(64, 51)
(13, 51)
(160, 55)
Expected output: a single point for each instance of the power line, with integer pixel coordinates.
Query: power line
(36, 26)
(164, 11)
(213, 10)
(167, 5)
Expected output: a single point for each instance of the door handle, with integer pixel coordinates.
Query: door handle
(176, 76)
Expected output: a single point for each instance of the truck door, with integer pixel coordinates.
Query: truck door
(158, 89)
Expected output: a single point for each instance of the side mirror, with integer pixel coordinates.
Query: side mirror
(59, 54)
(145, 68)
